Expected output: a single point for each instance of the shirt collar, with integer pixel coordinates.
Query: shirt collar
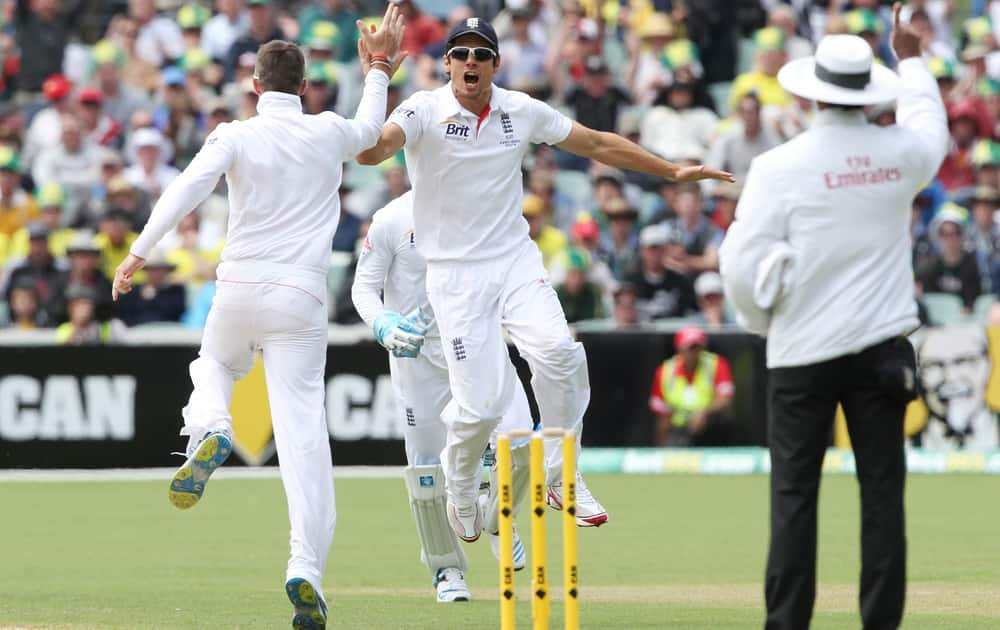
(832, 116)
(279, 103)
(451, 107)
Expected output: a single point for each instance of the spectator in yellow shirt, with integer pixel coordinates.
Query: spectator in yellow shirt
(50, 199)
(114, 241)
(193, 263)
(769, 49)
(550, 240)
(17, 208)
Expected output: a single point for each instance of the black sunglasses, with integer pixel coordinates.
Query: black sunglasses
(461, 53)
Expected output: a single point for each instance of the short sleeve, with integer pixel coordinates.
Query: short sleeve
(550, 125)
(723, 378)
(410, 116)
(656, 402)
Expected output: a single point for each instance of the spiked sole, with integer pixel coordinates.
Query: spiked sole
(189, 481)
(310, 611)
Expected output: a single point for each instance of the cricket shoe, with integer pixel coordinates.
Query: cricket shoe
(589, 512)
(451, 586)
(467, 521)
(203, 458)
(519, 555)
(310, 609)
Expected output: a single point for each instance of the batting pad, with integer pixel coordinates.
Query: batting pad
(441, 549)
(520, 477)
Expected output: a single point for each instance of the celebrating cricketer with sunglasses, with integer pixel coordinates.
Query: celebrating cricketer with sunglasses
(464, 145)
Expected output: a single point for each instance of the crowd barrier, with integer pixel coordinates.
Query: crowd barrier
(119, 406)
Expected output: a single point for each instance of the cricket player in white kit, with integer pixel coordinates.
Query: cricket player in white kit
(390, 265)
(283, 169)
(464, 145)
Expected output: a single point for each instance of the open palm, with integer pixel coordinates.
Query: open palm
(695, 173)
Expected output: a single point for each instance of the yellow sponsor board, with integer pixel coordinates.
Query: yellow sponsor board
(252, 435)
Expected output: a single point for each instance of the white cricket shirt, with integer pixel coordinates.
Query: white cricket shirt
(283, 169)
(391, 265)
(466, 170)
(839, 197)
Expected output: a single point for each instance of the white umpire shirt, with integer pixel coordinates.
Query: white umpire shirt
(838, 199)
(390, 264)
(284, 170)
(466, 169)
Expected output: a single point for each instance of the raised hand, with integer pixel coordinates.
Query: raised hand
(386, 39)
(905, 40)
(365, 58)
(695, 173)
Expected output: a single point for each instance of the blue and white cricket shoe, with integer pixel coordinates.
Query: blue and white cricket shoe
(520, 558)
(519, 555)
(451, 586)
(310, 609)
(203, 458)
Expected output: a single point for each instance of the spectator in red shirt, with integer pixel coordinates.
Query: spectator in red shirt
(691, 390)
(966, 124)
(422, 30)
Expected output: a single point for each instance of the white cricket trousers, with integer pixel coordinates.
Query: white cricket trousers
(281, 311)
(474, 303)
(422, 391)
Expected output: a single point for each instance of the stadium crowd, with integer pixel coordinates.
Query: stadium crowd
(101, 104)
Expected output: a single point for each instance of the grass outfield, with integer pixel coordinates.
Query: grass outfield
(678, 552)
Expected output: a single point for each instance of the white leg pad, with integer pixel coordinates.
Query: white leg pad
(520, 477)
(440, 546)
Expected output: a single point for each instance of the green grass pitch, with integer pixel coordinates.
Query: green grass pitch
(678, 552)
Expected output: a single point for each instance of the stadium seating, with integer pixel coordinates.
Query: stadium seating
(943, 309)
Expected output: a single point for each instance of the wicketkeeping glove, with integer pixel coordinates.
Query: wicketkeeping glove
(400, 335)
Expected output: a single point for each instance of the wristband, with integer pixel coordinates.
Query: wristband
(380, 63)
(374, 58)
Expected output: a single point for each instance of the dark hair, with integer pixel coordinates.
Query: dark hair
(281, 67)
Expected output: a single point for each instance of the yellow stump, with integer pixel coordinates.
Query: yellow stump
(539, 581)
(570, 578)
(506, 507)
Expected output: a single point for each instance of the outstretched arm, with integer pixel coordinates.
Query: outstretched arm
(614, 150)
(181, 196)
(389, 142)
(378, 49)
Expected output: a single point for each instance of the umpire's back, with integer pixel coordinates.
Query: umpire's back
(835, 205)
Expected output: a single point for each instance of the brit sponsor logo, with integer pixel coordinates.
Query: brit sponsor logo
(455, 130)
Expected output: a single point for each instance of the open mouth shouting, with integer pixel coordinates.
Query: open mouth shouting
(471, 80)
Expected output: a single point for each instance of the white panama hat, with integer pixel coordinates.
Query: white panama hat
(841, 73)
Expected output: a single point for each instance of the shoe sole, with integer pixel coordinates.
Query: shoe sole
(309, 613)
(591, 521)
(189, 481)
(460, 598)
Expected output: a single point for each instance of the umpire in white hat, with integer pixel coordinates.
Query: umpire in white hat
(818, 261)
